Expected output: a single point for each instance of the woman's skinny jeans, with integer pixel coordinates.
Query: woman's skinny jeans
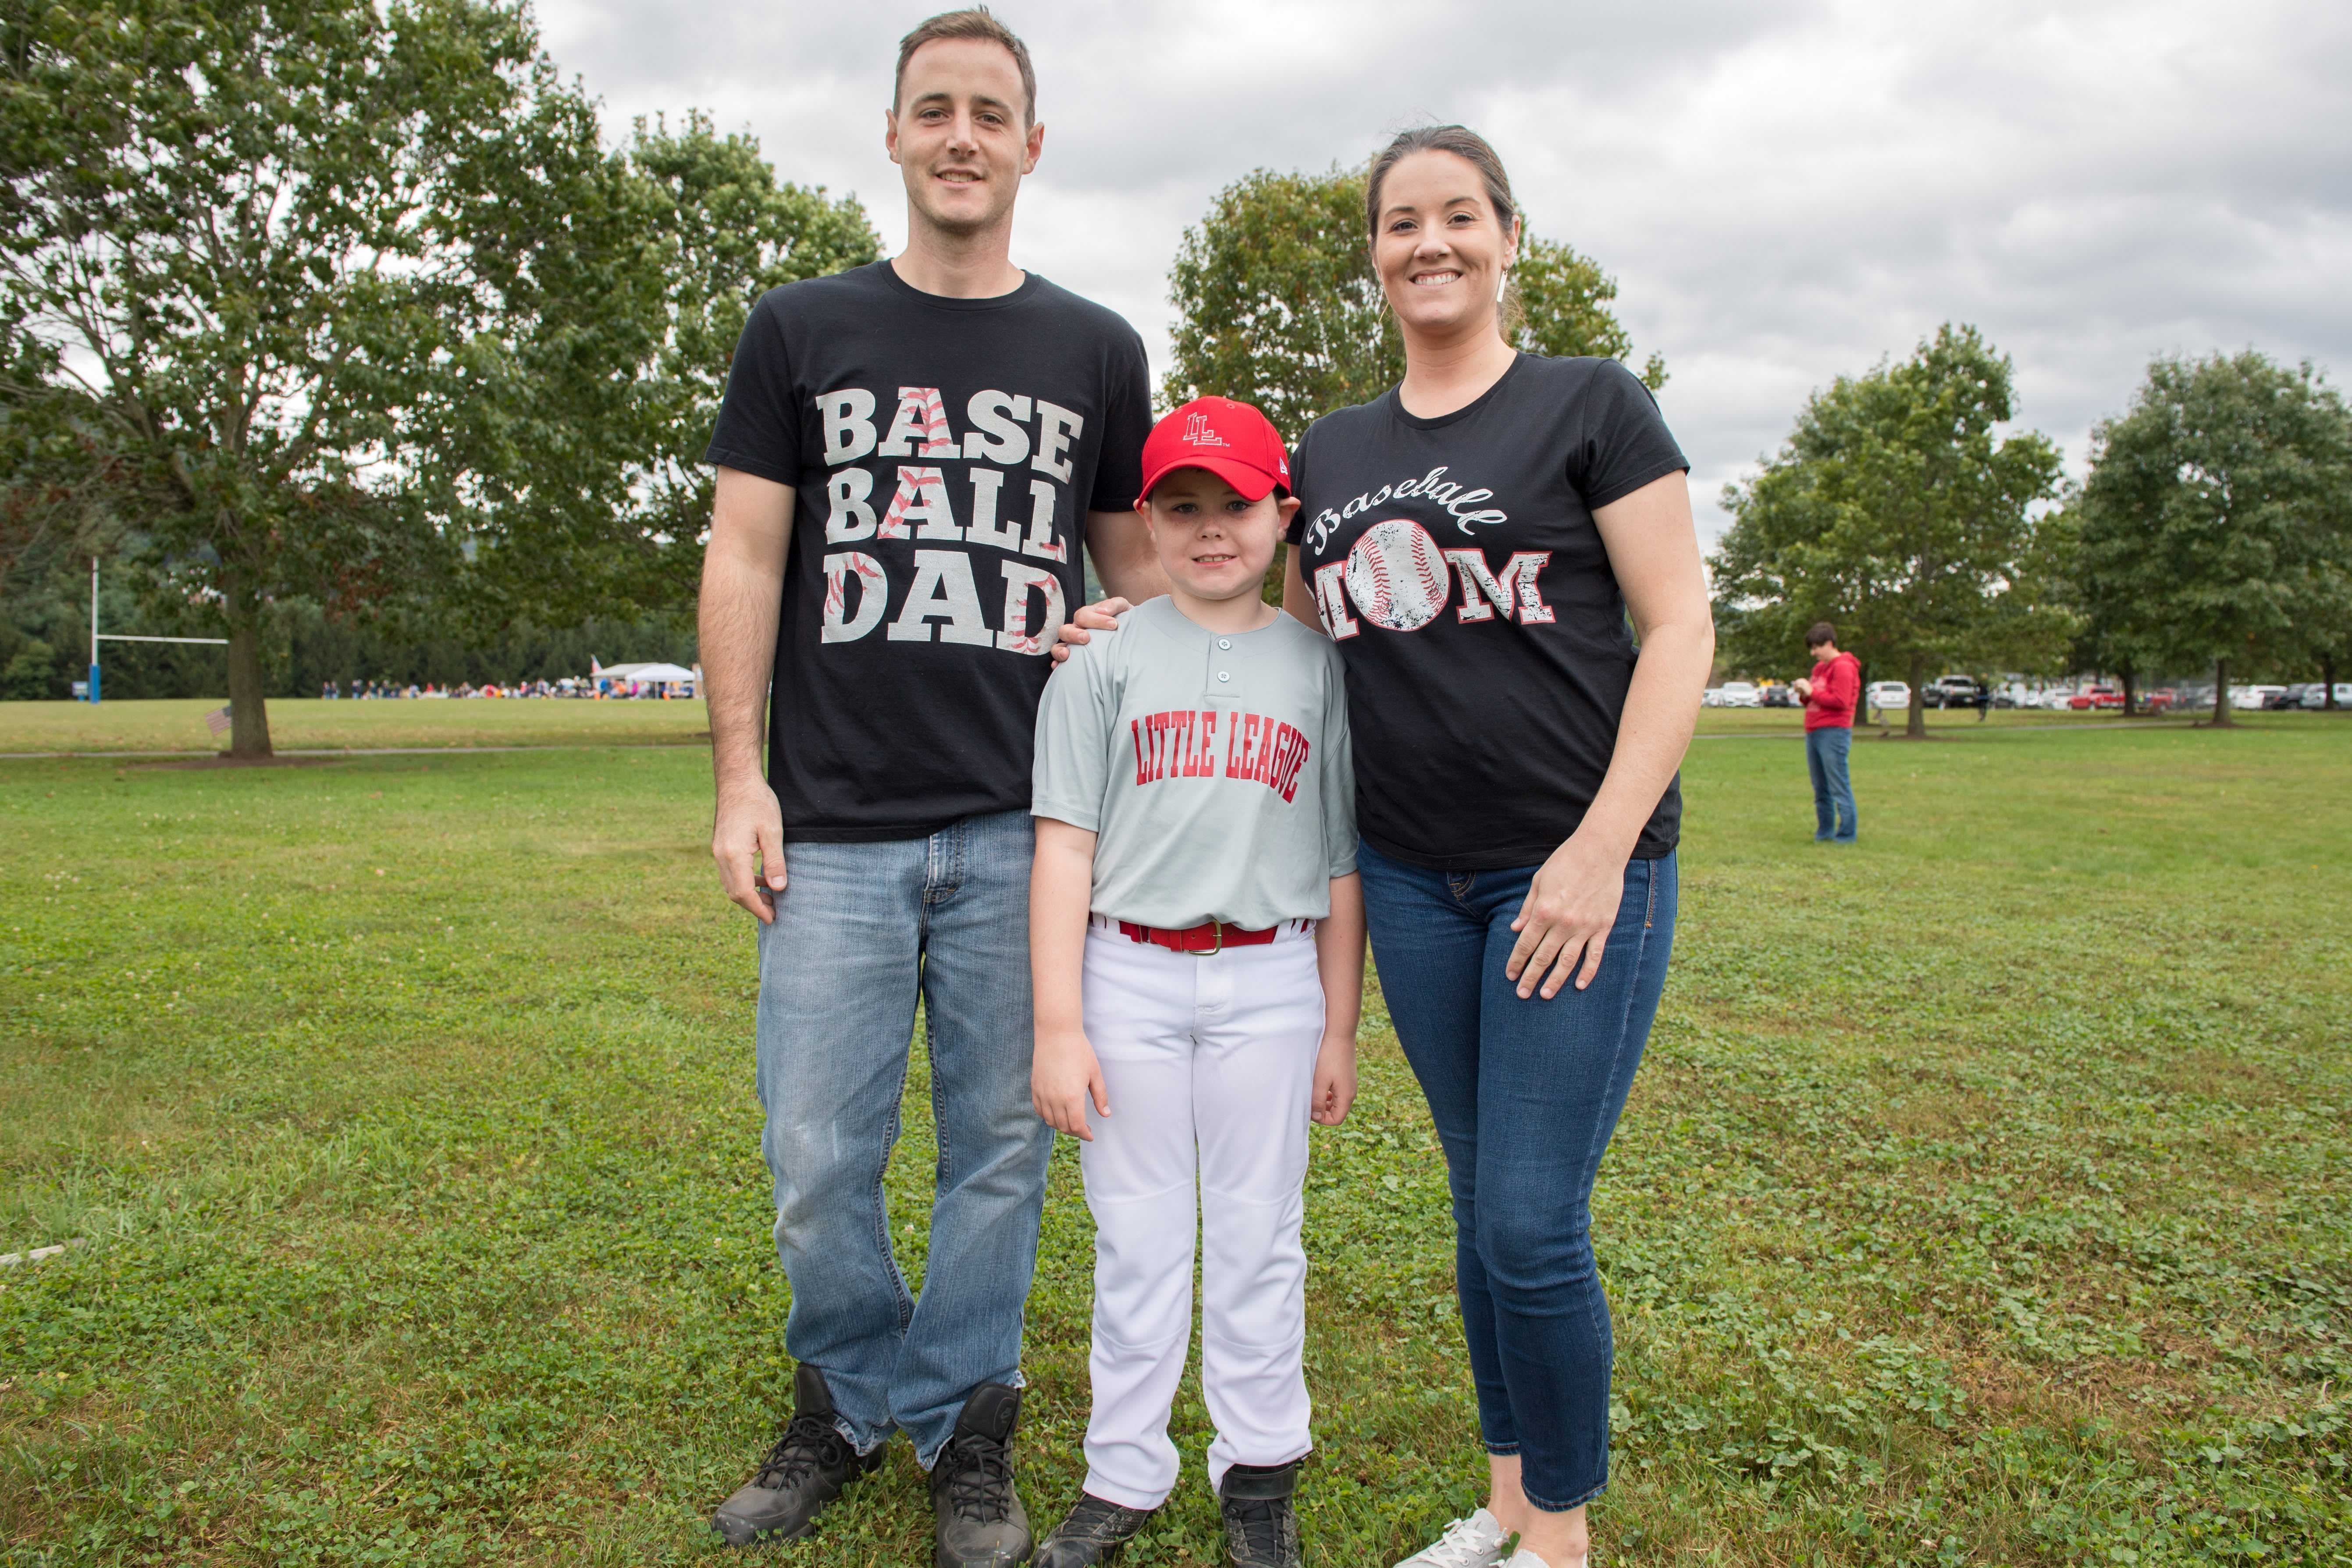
(1525, 1095)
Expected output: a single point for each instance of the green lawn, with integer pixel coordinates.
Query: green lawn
(1986, 1196)
(307, 723)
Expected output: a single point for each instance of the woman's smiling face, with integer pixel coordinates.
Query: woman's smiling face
(1438, 247)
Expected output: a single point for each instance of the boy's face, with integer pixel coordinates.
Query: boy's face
(1212, 543)
(1822, 650)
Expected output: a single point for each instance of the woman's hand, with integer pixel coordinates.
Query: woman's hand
(1063, 1076)
(1335, 1081)
(1569, 911)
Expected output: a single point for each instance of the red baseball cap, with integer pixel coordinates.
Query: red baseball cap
(1231, 440)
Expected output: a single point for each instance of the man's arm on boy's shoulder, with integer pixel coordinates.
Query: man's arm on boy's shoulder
(1064, 1074)
(742, 598)
(1129, 570)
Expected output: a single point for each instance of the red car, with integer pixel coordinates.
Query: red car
(2096, 697)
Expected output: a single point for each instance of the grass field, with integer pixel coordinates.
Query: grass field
(309, 723)
(1986, 1196)
(298, 724)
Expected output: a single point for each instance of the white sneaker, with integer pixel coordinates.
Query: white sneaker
(1523, 1558)
(1472, 1542)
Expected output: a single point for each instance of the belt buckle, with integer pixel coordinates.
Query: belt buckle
(1211, 951)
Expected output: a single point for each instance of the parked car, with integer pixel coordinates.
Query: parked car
(1711, 698)
(2253, 695)
(1886, 696)
(1956, 691)
(1741, 694)
(1781, 695)
(2095, 699)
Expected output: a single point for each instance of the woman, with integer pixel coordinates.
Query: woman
(1475, 540)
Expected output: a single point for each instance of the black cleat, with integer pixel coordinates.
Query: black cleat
(807, 1469)
(1093, 1532)
(981, 1521)
(1261, 1527)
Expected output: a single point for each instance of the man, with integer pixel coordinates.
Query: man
(910, 456)
(1828, 694)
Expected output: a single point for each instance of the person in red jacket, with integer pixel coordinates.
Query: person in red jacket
(1830, 694)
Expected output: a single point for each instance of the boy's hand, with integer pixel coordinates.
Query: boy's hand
(1102, 615)
(1335, 1081)
(1063, 1076)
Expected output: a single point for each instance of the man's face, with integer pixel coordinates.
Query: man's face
(960, 135)
(1821, 650)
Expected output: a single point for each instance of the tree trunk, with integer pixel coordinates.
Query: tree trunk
(2327, 675)
(1914, 728)
(2222, 692)
(248, 712)
(2131, 694)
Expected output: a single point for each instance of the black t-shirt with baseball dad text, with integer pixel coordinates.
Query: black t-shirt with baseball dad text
(1456, 562)
(945, 452)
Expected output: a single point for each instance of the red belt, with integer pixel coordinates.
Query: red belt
(1209, 936)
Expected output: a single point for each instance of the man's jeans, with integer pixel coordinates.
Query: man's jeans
(1525, 1095)
(860, 931)
(1825, 756)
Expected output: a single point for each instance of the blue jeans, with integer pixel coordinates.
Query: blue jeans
(1825, 758)
(1525, 1096)
(862, 930)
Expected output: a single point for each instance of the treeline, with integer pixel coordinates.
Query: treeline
(2212, 535)
(347, 309)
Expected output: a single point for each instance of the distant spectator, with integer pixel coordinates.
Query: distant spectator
(1830, 694)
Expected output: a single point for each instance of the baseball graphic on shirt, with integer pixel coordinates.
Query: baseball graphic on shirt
(1397, 575)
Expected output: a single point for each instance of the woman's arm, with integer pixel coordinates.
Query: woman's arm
(1062, 1073)
(1295, 596)
(1654, 549)
(1340, 960)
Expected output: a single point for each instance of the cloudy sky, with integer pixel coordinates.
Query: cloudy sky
(1785, 190)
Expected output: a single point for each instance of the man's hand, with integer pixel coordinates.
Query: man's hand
(1803, 687)
(1063, 1076)
(1335, 1081)
(1569, 911)
(746, 839)
(1102, 615)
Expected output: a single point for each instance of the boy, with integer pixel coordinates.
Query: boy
(1197, 948)
(1828, 694)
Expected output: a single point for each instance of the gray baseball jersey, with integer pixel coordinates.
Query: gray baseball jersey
(1212, 767)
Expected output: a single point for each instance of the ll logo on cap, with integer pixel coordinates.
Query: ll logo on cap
(1197, 431)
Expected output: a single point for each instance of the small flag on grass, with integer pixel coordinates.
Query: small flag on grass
(217, 720)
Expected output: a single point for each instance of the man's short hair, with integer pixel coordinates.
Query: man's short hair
(975, 23)
(1822, 632)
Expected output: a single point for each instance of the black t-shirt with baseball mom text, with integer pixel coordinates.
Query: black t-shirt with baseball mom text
(946, 452)
(1456, 562)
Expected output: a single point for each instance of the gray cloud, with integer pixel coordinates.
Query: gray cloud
(1785, 191)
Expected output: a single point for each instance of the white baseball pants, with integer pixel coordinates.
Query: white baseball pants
(1208, 1062)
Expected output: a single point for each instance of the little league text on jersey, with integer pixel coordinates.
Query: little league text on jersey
(1182, 743)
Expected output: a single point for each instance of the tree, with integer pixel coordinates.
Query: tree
(598, 496)
(1898, 512)
(281, 243)
(2216, 525)
(1276, 302)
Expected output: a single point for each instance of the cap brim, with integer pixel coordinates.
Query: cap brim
(1249, 481)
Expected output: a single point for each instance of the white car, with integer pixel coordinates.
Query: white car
(2252, 696)
(1887, 697)
(1711, 698)
(1738, 694)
